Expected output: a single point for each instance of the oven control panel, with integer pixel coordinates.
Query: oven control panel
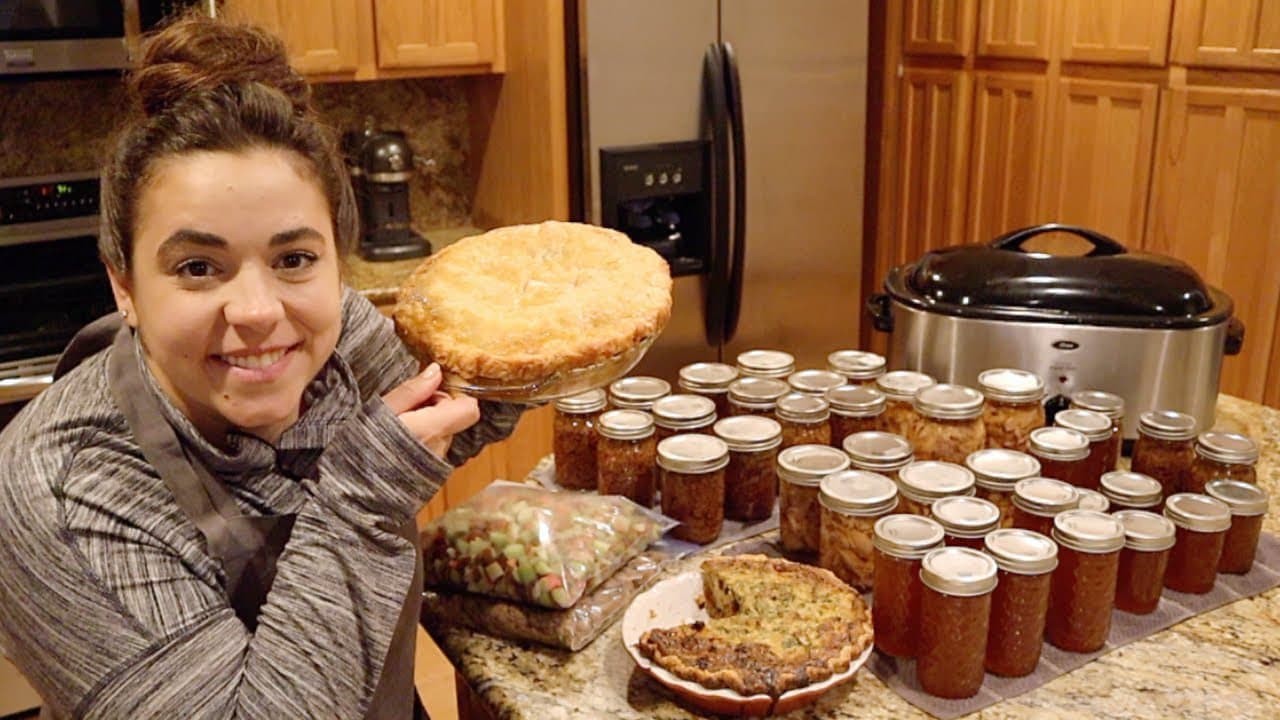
(36, 200)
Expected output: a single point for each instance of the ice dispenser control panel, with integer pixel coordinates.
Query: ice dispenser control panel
(657, 195)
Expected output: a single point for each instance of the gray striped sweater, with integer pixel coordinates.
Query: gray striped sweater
(109, 602)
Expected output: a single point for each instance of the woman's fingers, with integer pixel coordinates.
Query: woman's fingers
(437, 423)
(414, 392)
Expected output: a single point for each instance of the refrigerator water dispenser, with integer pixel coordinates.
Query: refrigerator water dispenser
(657, 195)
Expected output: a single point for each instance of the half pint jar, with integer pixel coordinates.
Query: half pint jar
(955, 614)
(899, 389)
(925, 481)
(804, 420)
(627, 455)
(692, 467)
(1084, 583)
(801, 469)
(950, 425)
(901, 541)
(756, 396)
(638, 392)
(1020, 605)
(1202, 523)
(573, 439)
(1148, 539)
(1164, 449)
(710, 380)
(766, 364)
(1248, 504)
(815, 382)
(858, 367)
(851, 503)
(996, 471)
(1038, 500)
(965, 520)
(1096, 427)
(1131, 490)
(682, 413)
(880, 452)
(1112, 406)
(1063, 454)
(854, 409)
(1014, 406)
(1092, 500)
(751, 479)
(1222, 456)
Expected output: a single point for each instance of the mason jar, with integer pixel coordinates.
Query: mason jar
(965, 520)
(1063, 454)
(801, 469)
(1112, 406)
(1014, 406)
(899, 389)
(1164, 449)
(851, 503)
(955, 615)
(901, 542)
(995, 472)
(858, 367)
(682, 413)
(1129, 490)
(573, 439)
(1083, 590)
(1202, 523)
(751, 479)
(925, 481)
(1020, 604)
(804, 419)
(756, 396)
(710, 380)
(1038, 500)
(637, 393)
(692, 467)
(1222, 456)
(814, 382)
(627, 455)
(879, 452)
(766, 364)
(1148, 539)
(950, 424)
(1248, 504)
(854, 409)
(1092, 500)
(1096, 427)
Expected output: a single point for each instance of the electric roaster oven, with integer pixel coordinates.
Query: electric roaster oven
(1139, 325)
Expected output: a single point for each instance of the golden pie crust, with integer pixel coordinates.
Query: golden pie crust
(525, 302)
(775, 626)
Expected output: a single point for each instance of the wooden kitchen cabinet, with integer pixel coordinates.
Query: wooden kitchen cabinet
(1004, 160)
(939, 27)
(1015, 28)
(436, 33)
(1236, 34)
(1132, 32)
(318, 33)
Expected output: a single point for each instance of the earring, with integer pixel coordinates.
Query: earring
(124, 314)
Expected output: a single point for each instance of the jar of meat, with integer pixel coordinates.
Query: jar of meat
(950, 425)
(710, 380)
(1038, 500)
(955, 614)
(1131, 491)
(859, 368)
(899, 389)
(1063, 454)
(965, 520)
(627, 455)
(1202, 523)
(751, 479)
(901, 542)
(1248, 504)
(801, 469)
(1014, 406)
(1148, 538)
(573, 439)
(1084, 584)
(1020, 604)
(766, 364)
(996, 471)
(851, 503)
(692, 469)
(1096, 427)
(1112, 406)
(1092, 500)
(637, 393)
(756, 396)
(804, 420)
(1164, 449)
(1222, 456)
(814, 382)
(854, 409)
(925, 481)
(682, 413)
(879, 452)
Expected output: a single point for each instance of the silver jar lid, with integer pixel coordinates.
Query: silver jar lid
(1227, 447)
(758, 393)
(1059, 443)
(906, 536)
(1093, 425)
(1167, 425)
(802, 408)
(948, 402)
(966, 517)
(1088, 531)
(958, 571)
(1023, 552)
(1092, 500)
(856, 364)
(707, 377)
(1108, 404)
(856, 401)
(625, 424)
(878, 451)
(692, 453)
(583, 403)
(1044, 496)
(858, 492)
(639, 392)
(815, 382)
(1243, 498)
(684, 412)
(749, 433)
(1146, 531)
(808, 464)
(927, 480)
(998, 469)
(901, 385)
(1011, 386)
(766, 363)
(1198, 513)
(1131, 489)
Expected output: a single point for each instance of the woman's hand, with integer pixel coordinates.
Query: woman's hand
(431, 415)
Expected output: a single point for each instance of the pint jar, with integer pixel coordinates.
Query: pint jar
(950, 425)
(766, 364)
(682, 413)
(1164, 449)
(1014, 406)
(925, 481)
(1202, 523)
(1063, 454)
(965, 520)
(1248, 504)
(1038, 500)
(627, 455)
(801, 469)
(899, 389)
(1129, 490)
(880, 452)
(1096, 428)
(573, 439)
(751, 478)
(1084, 584)
(692, 467)
(1222, 456)
(901, 541)
(756, 396)
(996, 471)
(1148, 539)
(851, 503)
(854, 409)
(710, 380)
(1112, 406)
(814, 382)
(637, 393)
(1020, 604)
(955, 614)
(804, 420)
(858, 367)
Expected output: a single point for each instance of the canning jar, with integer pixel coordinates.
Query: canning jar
(879, 452)
(626, 455)
(766, 364)
(851, 503)
(950, 425)
(1038, 500)
(858, 367)
(1222, 456)
(1112, 406)
(682, 413)
(1084, 583)
(1163, 449)
(925, 481)
(692, 467)
(1020, 604)
(1092, 500)
(637, 393)
(751, 479)
(710, 380)
(801, 469)
(1129, 490)
(1063, 454)
(854, 409)
(1248, 505)
(756, 396)
(995, 472)
(1148, 538)
(814, 382)
(1202, 523)
(955, 613)
(901, 541)
(1096, 428)
(965, 520)
(899, 389)
(573, 439)
(804, 420)
(1014, 406)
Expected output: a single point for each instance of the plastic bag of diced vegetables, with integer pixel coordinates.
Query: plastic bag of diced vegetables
(534, 545)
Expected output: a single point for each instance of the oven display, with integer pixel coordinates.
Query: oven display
(48, 201)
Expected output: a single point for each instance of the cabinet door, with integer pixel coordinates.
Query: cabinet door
(1216, 205)
(1015, 28)
(1004, 164)
(939, 27)
(1105, 31)
(1238, 33)
(321, 35)
(436, 33)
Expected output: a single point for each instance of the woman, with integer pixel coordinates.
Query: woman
(214, 517)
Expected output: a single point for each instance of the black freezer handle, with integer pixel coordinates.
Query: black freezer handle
(733, 87)
(718, 254)
(1102, 245)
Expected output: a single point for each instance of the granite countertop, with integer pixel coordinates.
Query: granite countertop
(379, 281)
(1223, 663)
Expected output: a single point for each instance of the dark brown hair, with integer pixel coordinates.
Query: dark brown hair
(207, 84)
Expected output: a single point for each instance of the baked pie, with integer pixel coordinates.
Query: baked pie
(526, 302)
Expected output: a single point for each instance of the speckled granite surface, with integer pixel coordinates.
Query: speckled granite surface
(1224, 663)
(379, 281)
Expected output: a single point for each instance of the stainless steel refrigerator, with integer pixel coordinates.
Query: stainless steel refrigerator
(730, 136)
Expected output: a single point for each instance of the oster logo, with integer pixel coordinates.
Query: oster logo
(1066, 344)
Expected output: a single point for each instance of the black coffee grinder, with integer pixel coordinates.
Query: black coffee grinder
(381, 164)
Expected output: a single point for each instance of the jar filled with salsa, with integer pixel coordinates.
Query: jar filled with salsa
(804, 420)
(965, 521)
(950, 426)
(751, 478)
(901, 541)
(1063, 454)
(1148, 538)
(1132, 491)
(1202, 523)
(899, 389)
(692, 467)
(854, 409)
(858, 367)
(1164, 449)
(573, 439)
(1222, 456)
(710, 380)
(996, 471)
(801, 469)
(1096, 427)
(925, 481)
(955, 613)
(851, 503)
(1020, 604)
(1083, 589)
(1014, 406)
(1038, 500)
(1112, 406)
(879, 452)
(756, 396)
(766, 364)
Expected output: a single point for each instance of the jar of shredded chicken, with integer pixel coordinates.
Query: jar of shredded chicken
(1112, 406)
(766, 364)
(1014, 406)
(1020, 604)
(692, 467)
(804, 419)
(801, 469)
(1083, 589)
(858, 367)
(710, 380)
(854, 409)
(996, 471)
(955, 615)
(1164, 448)
(924, 481)
(756, 396)
(879, 452)
(901, 542)
(950, 426)
(851, 502)
(637, 393)
(751, 478)
(899, 389)
(573, 439)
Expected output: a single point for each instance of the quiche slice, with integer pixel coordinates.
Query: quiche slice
(775, 626)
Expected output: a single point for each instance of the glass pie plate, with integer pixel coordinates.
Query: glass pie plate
(555, 386)
(676, 601)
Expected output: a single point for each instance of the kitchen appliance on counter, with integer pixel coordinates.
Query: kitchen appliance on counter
(1139, 325)
(381, 164)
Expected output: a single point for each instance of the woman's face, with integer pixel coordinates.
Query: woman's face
(234, 287)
